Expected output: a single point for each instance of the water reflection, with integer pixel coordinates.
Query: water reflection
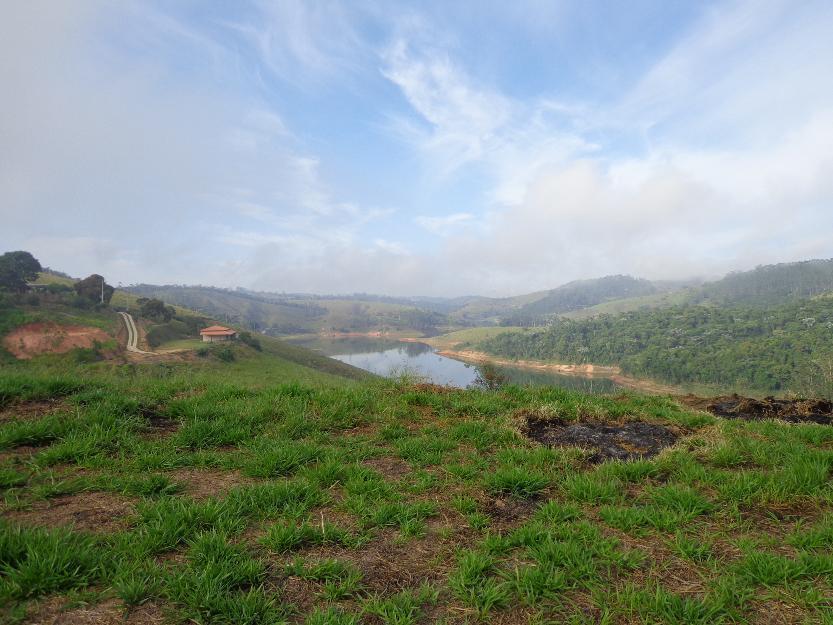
(387, 357)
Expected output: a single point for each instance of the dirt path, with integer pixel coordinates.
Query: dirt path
(586, 371)
(132, 334)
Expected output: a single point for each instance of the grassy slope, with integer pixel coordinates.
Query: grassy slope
(277, 362)
(51, 278)
(657, 300)
(399, 504)
(468, 335)
(493, 309)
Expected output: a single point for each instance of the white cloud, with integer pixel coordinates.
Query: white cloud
(173, 166)
(303, 42)
(443, 225)
(566, 207)
(154, 165)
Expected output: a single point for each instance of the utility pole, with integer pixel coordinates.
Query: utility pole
(102, 290)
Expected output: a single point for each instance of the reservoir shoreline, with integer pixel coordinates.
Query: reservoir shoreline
(588, 370)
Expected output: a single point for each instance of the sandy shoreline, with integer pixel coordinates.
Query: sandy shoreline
(613, 373)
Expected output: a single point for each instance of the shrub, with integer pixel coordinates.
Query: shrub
(223, 354)
(489, 377)
(248, 339)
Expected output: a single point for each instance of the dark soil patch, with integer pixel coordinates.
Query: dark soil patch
(635, 439)
(791, 410)
(509, 511)
(158, 423)
(391, 468)
(88, 511)
(19, 455)
(30, 410)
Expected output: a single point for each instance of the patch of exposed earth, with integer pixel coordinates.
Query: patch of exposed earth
(158, 425)
(388, 566)
(55, 611)
(791, 410)
(30, 410)
(507, 512)
(203, 483)
(87, 511)
(391, 468)
(37, 338)
(625, 441)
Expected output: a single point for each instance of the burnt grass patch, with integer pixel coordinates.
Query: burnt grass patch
(626, 441)
(158, 423)
(749, 409)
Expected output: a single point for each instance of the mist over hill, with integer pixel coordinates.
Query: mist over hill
(770, 284)
(297, 313)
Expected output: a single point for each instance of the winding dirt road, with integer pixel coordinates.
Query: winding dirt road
(132, 334)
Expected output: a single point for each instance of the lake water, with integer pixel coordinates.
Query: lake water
(388, 358)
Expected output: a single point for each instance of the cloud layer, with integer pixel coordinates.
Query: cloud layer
(330, 147)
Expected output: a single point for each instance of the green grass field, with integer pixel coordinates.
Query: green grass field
(468, 335)
(204, 492)
(615, 307)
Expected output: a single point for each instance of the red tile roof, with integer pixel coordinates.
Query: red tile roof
(218, 331)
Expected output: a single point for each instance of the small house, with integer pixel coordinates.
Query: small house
(215, 334)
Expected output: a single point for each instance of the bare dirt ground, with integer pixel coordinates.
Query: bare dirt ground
(33, 339)
(30, 410)
(93, 512)
(56, 611)
(737, 407)
(202, 483)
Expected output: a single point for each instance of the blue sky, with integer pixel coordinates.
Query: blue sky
(415, 148)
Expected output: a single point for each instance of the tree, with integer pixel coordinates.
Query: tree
(153, 308)
(16, 269)
(91, 288)
(489, 377)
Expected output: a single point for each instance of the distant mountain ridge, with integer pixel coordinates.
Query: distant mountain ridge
(585, 293)
(291, 313)
(770, 284)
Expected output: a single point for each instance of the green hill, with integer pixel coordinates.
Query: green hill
(175, 341)
(585, 293)
(281, 314)
(769, 284)
(578, 298)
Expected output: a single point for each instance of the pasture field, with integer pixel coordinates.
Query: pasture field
(152, 494)
(468, 336)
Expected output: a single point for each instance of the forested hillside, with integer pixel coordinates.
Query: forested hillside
(770, 284)
(534, 309)
(584, 293)
(773, 350)
(280, 314)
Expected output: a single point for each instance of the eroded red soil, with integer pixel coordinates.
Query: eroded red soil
(38, 338)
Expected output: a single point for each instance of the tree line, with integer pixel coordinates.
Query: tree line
(767, 349)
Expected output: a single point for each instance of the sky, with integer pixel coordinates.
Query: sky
(415, 148)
